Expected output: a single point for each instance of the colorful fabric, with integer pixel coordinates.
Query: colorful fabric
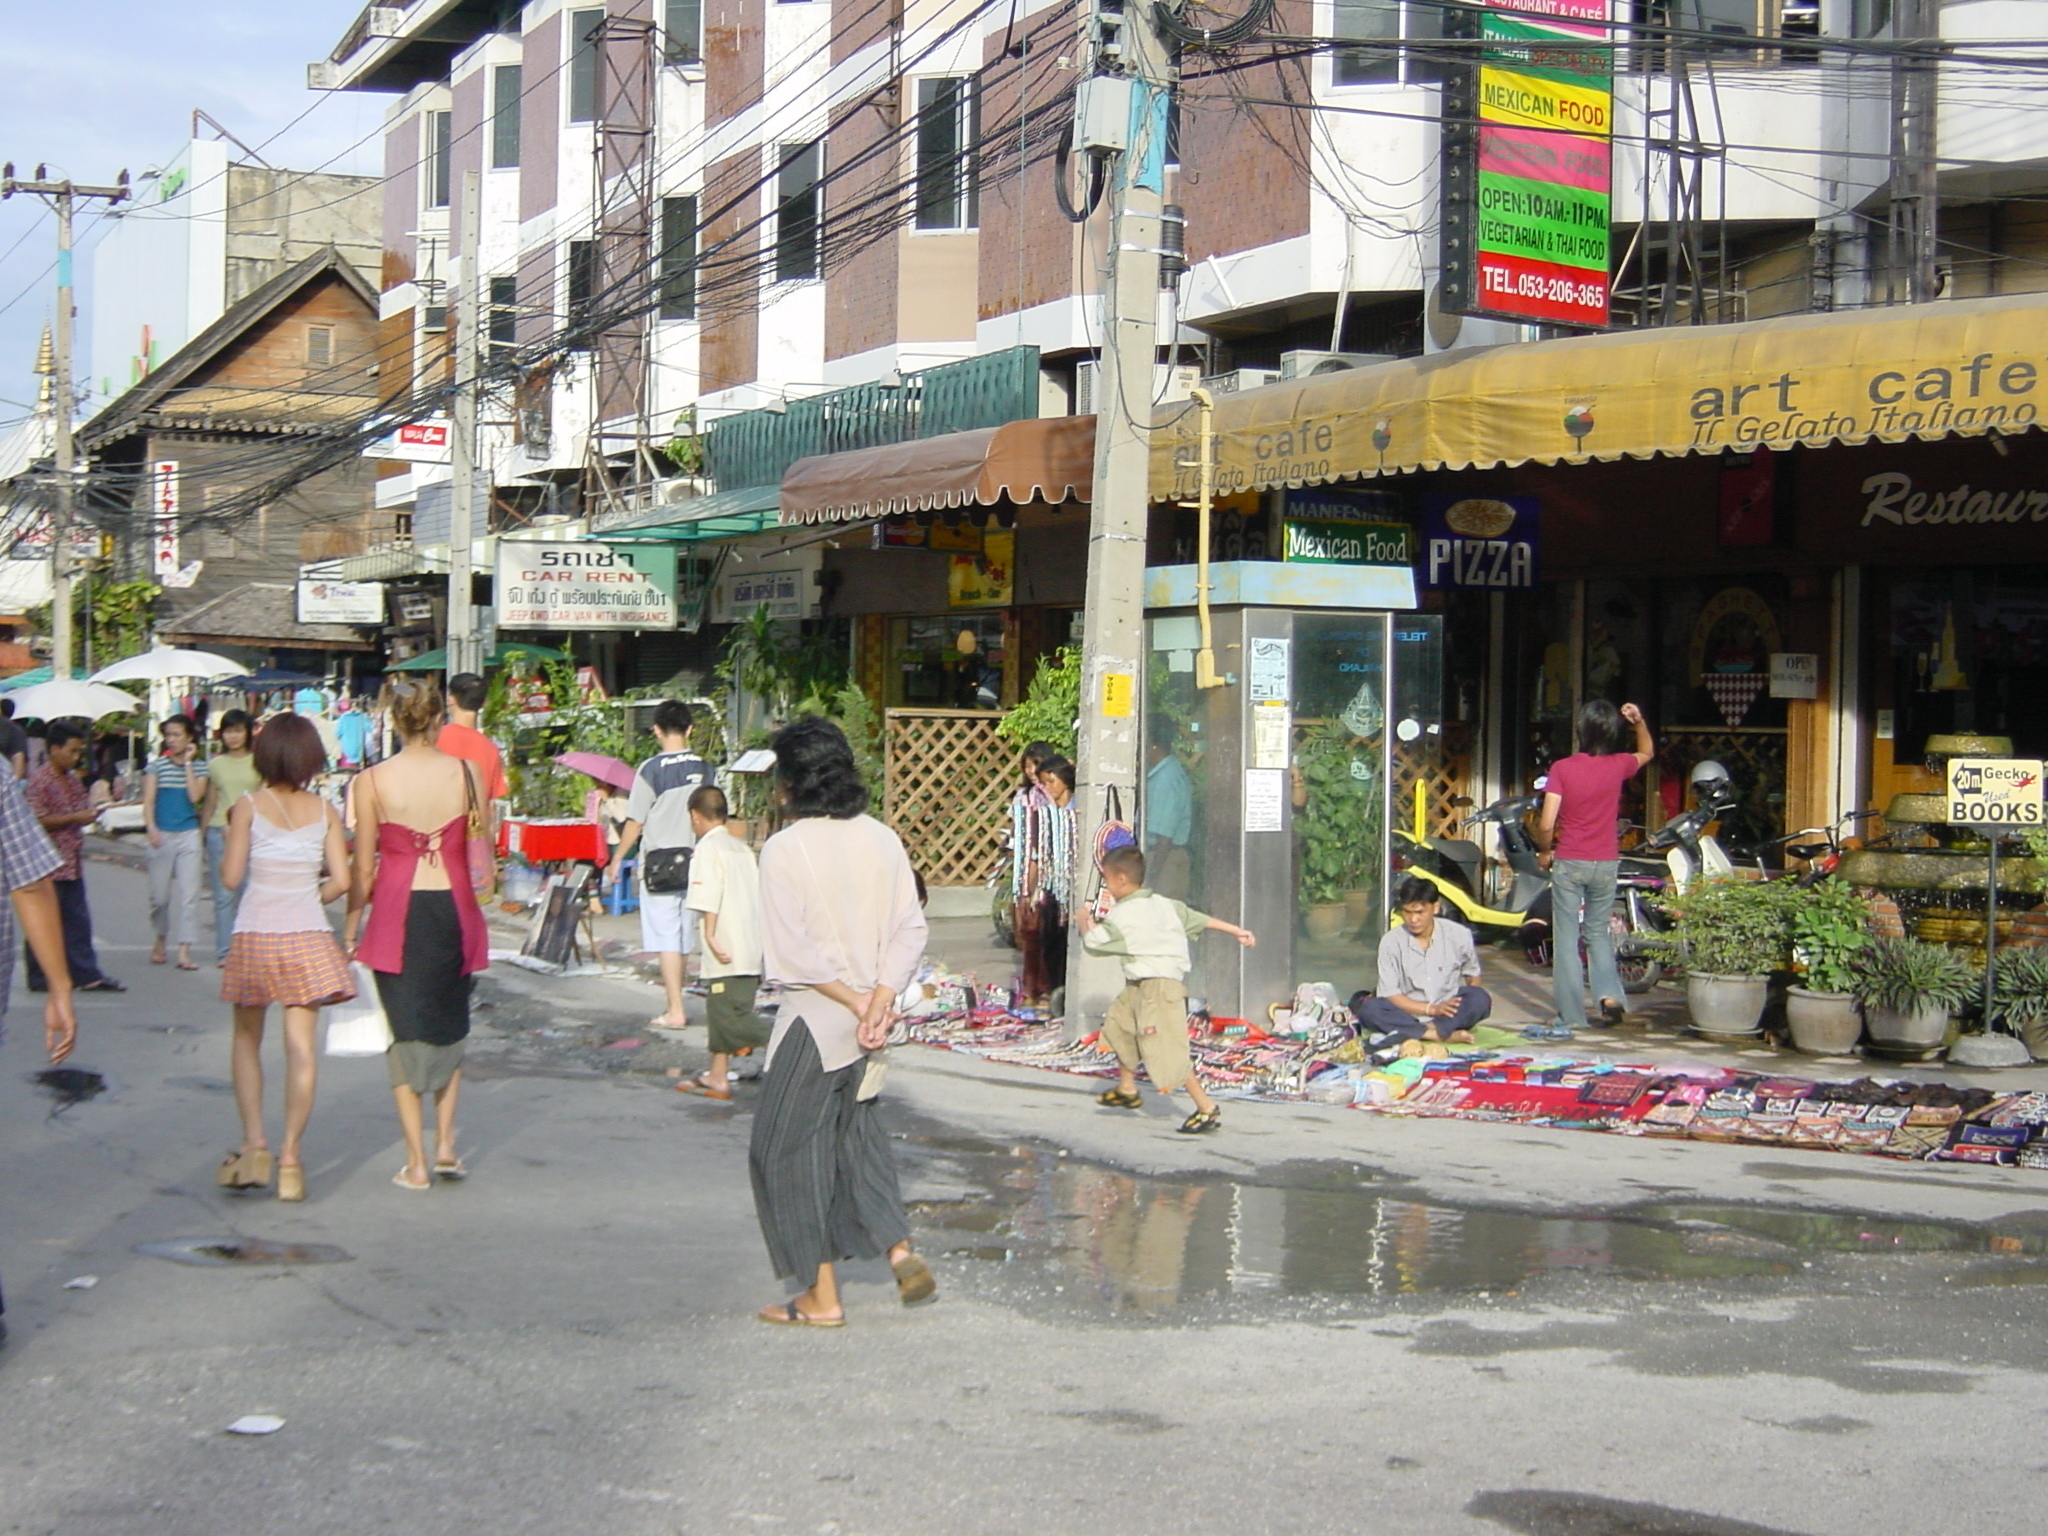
(51, 794)
(297, 970)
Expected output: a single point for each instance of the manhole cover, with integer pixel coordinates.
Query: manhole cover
(220, 1252)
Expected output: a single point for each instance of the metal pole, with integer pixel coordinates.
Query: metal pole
(1112, 647)
(463, 652)
(1991, 927)
(62, 196)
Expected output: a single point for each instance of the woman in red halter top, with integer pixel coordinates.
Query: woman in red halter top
(414, 814)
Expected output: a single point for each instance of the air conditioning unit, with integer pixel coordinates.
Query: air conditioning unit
(1085, 372)
(1242, 379)
(1303, 364)
(1176, 381)
(323, 75)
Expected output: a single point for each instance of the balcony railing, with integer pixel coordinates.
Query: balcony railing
(755, 447)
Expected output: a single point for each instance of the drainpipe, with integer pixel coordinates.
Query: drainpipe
(1205, 658)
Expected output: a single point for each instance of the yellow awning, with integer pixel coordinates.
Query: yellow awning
(1927, 370)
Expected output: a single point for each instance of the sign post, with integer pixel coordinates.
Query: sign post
(1994, 795)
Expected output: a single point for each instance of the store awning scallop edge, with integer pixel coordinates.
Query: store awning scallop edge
(1049, 459)
(1960, 367)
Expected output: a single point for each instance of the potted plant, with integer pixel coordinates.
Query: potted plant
(2019, 996)
(1732, 935)
(1829, 929)
(1338, 829)
(1908, 988)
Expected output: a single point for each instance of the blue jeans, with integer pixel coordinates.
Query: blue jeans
(1587, 884)
(1379, 1016)
(225, 900)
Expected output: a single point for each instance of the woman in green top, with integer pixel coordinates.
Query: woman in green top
(230, 774)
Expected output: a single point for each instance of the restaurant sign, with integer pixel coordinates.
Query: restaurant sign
(1344, 542)
(1527, 168)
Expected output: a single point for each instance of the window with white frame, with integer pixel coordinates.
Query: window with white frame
(586, 64)
(682, 31)
(438, 131)
(505, 97)
(1379, 33)
(799, 209)
(947, 154)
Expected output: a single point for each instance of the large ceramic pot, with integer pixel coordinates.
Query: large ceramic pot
(1324, 921)
(1726, 1005)
(1823, 1023)
(1920, 1029)
(1358, 907)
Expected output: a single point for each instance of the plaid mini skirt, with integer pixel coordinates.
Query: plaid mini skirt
(297, 970)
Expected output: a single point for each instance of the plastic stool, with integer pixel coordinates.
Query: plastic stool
(623, 894)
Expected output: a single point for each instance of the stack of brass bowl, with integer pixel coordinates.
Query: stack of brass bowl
(1969, 746)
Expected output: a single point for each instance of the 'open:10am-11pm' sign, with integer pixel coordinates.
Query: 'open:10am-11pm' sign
(1527, 166)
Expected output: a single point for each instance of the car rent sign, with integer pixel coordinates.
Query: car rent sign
(586, 585)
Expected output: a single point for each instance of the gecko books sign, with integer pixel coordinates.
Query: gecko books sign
(586, 585)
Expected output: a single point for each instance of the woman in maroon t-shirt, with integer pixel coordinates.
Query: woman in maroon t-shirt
(1580, 838)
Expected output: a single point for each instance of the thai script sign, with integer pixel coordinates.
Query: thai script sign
(586, 585)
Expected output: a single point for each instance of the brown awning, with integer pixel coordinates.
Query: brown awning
(1050, 459)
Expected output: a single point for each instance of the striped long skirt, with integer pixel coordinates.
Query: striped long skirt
(825, 1185)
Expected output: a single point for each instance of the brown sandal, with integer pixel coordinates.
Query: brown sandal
(914, 1282)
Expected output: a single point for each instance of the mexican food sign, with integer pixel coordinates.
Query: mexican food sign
(1527, 163)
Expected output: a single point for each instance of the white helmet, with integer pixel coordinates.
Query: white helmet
(1708, 774)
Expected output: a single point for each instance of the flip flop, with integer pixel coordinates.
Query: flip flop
(187, 965)
(914, 1282)
(454, 1172)
(662, 1021)
(408, 1186)
(787, 1315)
(699, 1086)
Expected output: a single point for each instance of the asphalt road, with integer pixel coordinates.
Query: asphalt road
(1315, 1321)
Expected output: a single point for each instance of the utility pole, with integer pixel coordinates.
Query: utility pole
(1130, 44)
(464, 654)
(62, 196)
(1913, 227)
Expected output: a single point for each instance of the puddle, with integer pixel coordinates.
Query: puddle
(1027, 1225)
(67, 1086)
(223, 1252)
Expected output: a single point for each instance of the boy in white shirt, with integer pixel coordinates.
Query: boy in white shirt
(1148, 1022)
(725, 893)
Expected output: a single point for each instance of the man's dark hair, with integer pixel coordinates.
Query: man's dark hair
(1600, 729)
(466, 691)
(1126, 861)
(672, 717)
(58, 732)
(1416, 892)
(6, 707)
(815, 767)
(708, 801)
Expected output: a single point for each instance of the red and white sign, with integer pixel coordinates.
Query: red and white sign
(163, 521)
(417, 442)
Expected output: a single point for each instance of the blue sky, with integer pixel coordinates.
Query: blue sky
(97, 85)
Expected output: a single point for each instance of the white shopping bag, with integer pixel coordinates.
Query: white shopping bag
(358, 1027)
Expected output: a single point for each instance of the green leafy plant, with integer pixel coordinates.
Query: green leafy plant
(1906, 975)
(1733, 927)
(1339, 827)
(2019, 990)
(686, 449)
(1051, 707)
(1829, 929)
(781, 665)
(116, 615)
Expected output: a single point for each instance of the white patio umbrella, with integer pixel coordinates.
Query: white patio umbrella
(69, 697)
(154, 666)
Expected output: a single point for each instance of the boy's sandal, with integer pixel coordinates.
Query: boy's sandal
(914, 1282)
(1201, 1120)
(1116, 1098)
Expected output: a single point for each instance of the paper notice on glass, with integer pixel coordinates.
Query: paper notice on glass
(1267, 658)
(1272, 726)
(1265, 799)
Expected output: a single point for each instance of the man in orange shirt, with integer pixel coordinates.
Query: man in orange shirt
(461, 738)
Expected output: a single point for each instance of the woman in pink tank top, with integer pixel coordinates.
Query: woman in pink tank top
(281, 842)
(415, 813)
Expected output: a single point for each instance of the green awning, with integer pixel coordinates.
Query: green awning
(437, 660)
(727, 515)
(26, 679)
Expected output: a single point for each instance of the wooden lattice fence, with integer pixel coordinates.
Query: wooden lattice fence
(946, 790)
(1445, 770)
